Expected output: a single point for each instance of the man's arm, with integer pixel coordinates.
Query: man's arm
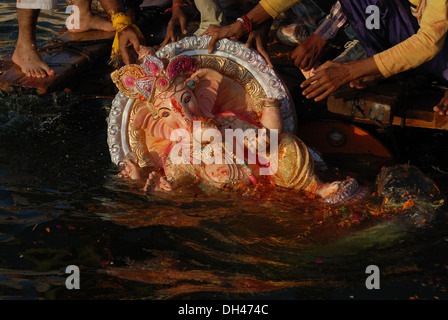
(128, 39)
(306, 54)
(332, 75)
(178, 19)
(420, 47)
(275, 7)
(257, 16)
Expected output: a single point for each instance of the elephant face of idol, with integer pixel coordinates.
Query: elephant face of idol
(166, 88)
(175, 107)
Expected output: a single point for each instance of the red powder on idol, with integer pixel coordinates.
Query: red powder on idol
(177, 108)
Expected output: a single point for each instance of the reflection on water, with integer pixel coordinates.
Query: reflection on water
(61, 204)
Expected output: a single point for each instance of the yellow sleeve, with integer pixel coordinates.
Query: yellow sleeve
(420, 47)
(275, 7)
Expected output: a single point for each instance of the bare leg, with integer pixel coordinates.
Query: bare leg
(25, 55)
(88, 20)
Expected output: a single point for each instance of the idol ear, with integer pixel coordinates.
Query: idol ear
(192, 82)
(125, 79)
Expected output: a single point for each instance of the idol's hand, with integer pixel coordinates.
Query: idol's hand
(327, 79)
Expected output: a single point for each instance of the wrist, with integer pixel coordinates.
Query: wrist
(239, 28)
(115, 12)
(120, 21)
(246, 22)
(360, 68)
(321, 42)
(176, 6)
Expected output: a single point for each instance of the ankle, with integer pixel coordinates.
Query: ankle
(26, 45)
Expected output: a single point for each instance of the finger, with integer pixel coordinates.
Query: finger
(310, 64)
(262, 49)
(211, 44)
(123, 42)
(207, 32)
(311, 88)
(305, 62)
(442, 110)
(165, 42)
(294, 53)
(250, 39)
(357, 85)
(266, 56)
(125, 55)
(135, 43)
(313, 85)
(440, 105)
(183, 25)
(310, 80)
(316, 90)
(210, 30)
(297, 56)
(172, 36)
(324, 95)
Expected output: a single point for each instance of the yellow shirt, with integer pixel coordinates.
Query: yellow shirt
(275, 7)
(412, 52)
(420, 47)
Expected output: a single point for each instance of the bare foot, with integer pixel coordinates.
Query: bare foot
(157, 183)
(338, 191)
(29, 61)
(442, 107)
(89, 21)
(328, 188)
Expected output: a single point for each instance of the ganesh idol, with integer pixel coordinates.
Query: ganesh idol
(179, 95)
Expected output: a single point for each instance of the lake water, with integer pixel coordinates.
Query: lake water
(62, 204)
